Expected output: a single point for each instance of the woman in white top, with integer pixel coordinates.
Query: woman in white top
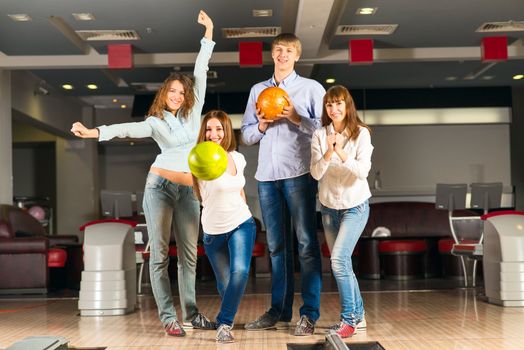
(229, 228)
(340, 160)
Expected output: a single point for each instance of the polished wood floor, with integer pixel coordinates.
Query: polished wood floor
(398, 319)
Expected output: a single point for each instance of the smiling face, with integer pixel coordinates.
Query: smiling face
(214, 131)
(284, 56)
(175, 96)
(336, 110)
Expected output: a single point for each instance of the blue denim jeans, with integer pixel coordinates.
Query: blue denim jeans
(167, 206)
(298, 195)
(343, 229)
(230, 256)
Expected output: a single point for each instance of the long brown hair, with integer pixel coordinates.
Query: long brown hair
(351, 121)
(228, 142)
(159, 103)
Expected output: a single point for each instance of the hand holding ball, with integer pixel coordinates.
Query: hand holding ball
(272, 101)
(207, 161)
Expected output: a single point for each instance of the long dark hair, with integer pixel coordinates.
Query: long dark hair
(159, 103)
(351, 121)
(228, 142)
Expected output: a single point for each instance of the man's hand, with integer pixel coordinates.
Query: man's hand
(263, 123)
(289, 113)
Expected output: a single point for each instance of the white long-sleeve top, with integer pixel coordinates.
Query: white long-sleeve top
(342, 185)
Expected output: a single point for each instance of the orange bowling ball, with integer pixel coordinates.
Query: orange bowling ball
(271, 101)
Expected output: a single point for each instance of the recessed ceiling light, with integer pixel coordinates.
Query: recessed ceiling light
(262, 13)
(92, 86)
(330, 80)
(84, 16)
(123, 106)
(518, 76)
(366, 10)
(67, 87)
(20, 17)
(115, 100)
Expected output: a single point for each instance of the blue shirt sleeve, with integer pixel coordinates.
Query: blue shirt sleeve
(249, 129)
(311, 122)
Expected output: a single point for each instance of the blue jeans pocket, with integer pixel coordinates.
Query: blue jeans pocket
(208, 239)
(153, 182)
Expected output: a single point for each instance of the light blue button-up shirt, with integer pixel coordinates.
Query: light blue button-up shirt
(174, 135)
(285, 148)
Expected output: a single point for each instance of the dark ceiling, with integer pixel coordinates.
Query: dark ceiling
(435, 43)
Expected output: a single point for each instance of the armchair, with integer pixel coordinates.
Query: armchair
(23, 262)
(26, 253)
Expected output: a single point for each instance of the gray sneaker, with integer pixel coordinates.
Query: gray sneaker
(200, 322)
(224, 334)
(305, 326)
(266, 321)
(174, 328)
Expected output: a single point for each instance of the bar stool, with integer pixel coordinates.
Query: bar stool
(403, 259)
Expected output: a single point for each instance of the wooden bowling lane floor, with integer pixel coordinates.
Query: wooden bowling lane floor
(439, 319)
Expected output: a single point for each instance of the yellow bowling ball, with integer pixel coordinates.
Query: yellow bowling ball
(207, 160)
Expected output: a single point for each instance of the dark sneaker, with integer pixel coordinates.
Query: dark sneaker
(174, 329)
(266, 321)
(305, 326)
(343, 329)
(200, 322)
(224, 334)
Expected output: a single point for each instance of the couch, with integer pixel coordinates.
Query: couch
(25, 253)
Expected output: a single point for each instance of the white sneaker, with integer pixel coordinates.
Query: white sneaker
(224, 334)
(362, 325)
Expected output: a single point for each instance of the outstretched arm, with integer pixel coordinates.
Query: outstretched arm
(78, 129)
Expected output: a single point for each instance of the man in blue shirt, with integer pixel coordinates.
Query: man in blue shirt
(285, 185)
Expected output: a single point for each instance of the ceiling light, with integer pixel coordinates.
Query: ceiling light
(67, 87)
(92, 86)
(262, 13)
(123, 106)
(366, 10)
(451, 78)
(115, 100)
(84, 16)
(20, 17)
(330, 80)
(518, 76)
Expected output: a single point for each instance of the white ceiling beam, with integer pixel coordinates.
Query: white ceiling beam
(427, 54)
(70, 34)
(312, 19)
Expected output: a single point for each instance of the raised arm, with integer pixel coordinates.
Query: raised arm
(201, 67)
(206, 21)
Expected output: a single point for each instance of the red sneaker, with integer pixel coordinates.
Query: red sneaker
(343, 329)
(174, 328)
